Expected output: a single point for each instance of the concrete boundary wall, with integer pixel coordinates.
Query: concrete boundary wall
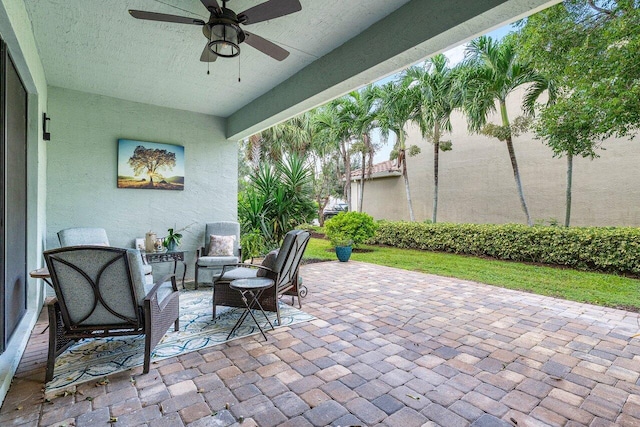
(477, 185)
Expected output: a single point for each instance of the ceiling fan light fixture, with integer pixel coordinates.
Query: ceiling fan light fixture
(225, 40)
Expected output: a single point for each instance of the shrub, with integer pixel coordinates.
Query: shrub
(607, 249)
(253, 244)
(350, 228)
(277, 199)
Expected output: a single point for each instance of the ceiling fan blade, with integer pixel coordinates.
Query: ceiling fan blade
(265, 46)
(269, 10)
(210, 4)
(163, 17)
(207, 55)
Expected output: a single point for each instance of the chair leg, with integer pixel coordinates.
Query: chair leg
(147, 353)
(196, 279)
(57, 341)
(53, 332)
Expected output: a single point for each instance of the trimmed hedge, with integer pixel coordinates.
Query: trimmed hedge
(606, 249)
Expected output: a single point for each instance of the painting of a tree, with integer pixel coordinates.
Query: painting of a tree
(150, 165)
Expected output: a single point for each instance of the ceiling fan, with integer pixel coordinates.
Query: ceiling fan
(223, 31)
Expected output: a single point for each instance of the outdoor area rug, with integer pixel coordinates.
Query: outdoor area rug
(92, 359)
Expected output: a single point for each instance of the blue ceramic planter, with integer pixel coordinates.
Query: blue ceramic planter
(343, 253)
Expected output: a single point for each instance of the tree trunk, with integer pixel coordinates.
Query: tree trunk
(403, 155)
(516, 175)
(406, 187)
(436, 160)
(322, 203)
(514, 163)
(567, 214)
(362, 175)
(347, 172)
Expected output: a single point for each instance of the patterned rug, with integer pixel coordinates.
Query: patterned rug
(92, 359)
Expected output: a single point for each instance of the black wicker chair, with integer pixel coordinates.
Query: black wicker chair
(101, 292)
(283, 270)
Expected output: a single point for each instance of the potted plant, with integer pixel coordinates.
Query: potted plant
(343, 247)
(172, 240)
(348, 229)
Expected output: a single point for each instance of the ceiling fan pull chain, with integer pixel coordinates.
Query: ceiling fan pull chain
(238, 69)
(209, 62)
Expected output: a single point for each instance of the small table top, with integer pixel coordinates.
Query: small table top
(163, 256)
(254, 283)
(40, 273)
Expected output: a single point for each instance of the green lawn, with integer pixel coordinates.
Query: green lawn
(595, 288)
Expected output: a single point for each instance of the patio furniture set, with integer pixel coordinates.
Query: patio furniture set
(104, 291)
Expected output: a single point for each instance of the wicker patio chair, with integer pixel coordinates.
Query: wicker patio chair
(83, 236)
(213, 263)
(101, 292)
(281, 267)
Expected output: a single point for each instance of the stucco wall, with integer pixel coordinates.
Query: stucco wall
(477, 184)
(82, 171)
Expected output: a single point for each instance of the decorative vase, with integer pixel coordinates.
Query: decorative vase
(171, 246)
(343, 253)
(150, 241)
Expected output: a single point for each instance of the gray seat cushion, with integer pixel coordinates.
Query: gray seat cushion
(240, 273)
(146, 269)
(216, 261)
(164, 290)
(83, 236)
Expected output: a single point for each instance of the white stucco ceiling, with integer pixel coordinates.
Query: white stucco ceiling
(95, 46)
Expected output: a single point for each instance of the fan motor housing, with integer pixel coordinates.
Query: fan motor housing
(227, 17)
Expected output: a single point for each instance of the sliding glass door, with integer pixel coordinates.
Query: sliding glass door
(13, 197)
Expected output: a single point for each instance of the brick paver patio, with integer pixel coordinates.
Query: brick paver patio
(389, 348)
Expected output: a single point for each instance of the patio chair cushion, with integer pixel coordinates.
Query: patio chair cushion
(221, 245)
(83, 236)
(222, 228)
(269, 262)
(240, 273)
(163, 291)
(80, 295)
(146, 268)
(216, 261)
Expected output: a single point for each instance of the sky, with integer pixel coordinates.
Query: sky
(455, 56)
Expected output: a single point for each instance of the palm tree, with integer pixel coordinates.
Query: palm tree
(333, 123)
(323, 155)
(437, 99)
(359, 113)
(292, 137)
(397, 106)
(491, 72)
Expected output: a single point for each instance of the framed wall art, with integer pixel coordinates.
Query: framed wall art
(150, 165)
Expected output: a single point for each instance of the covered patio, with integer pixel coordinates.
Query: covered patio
(389, 347)
(84, 75)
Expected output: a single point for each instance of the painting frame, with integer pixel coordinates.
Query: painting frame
(150, 165)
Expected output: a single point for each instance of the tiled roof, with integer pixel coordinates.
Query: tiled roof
(377, 169)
